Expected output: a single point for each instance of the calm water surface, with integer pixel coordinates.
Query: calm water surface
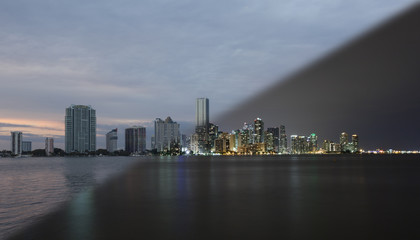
(262, 197)
(32, 187)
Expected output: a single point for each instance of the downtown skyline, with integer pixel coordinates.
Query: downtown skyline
(129, 92)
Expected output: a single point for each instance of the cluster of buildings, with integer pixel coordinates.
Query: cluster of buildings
(254, 138)
(18, 146)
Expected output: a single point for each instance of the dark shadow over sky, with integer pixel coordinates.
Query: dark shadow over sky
(369, 86)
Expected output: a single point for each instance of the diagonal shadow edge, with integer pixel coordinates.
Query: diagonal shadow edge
(368, 86)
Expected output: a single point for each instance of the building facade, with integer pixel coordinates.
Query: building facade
(112, 140)
(258, 130)
(16, 143)
(202, 112)
(166, 134)
(49, 146)
(26, 146)
(275, 131)
(135, 139)
(283, 140)
(80, 124)
(200, 141)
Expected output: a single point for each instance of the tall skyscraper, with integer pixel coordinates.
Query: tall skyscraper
(275, 131)
(135, 139)
(283, 140)
(112, 140)
(80, 126)
(202, 112)
(49, 146)
(258, 131)
(200, 141)
(166, 134)
(16, 143)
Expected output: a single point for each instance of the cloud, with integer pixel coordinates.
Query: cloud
(143, 59)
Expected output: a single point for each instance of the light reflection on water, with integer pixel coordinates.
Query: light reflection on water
(298, 197)
(32, 187)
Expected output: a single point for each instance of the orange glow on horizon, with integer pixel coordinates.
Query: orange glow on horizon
(37, 127)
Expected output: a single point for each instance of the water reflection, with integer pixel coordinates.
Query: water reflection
(246, 198)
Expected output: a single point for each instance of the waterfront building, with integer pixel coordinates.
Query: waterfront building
(202, 112)
(203, 143)
(166, 134)
(275, 131)
(135, 139)
(213, 134)
(355, 142)
(112, 140)
(16, 142)
(269, 142)
(80, 125)
(26, 146)
(49, 146)
(194, 143)
(233, 142)
(298, 144)
(258, 130)
(344, 140)
(313, 143)
(222, 143)
(283, 140)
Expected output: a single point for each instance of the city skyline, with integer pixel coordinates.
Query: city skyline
(70, 69)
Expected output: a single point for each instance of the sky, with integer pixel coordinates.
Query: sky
(134, 61)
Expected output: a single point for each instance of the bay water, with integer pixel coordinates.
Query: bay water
(218, 197)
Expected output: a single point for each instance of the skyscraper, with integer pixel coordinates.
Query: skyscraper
(49, 146)
(344, 140)
(135, 139)
(166, 133)
(313, 143)
(112, 140)
(202, 112)
(16, 143)
(80, 126)
(355, 142)
(200, 141)
(283, 140)
(258, 131)
(275, 131)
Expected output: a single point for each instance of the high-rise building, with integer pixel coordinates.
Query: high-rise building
(344, 140)
(313, 143)
(275, 131)
(355, 142)
(49, 146)
(166, 134)
(135, 139)
(283, 140)
(269, 141)
(26, 146)
(112, 140)
(221, 144)
(213, 134)
(298, 144)
(201, 142)
(80, 124)
(258, 130)
(16, 143)
(202, 112)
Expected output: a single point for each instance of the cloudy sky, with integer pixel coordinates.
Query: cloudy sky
(134, 61)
